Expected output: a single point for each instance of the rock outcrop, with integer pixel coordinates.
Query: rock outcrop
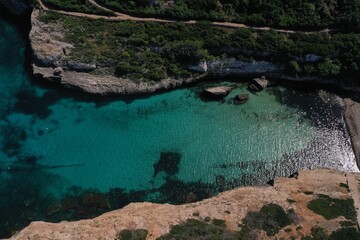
(217, 92)
(233, 67)
(231, 206)
(258, 84)
(241, 99)
(51, 62)
(51, 51)
(352, 120)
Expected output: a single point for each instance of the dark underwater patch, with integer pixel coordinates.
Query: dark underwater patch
(31, 104)
(13, 138)
(168, 163)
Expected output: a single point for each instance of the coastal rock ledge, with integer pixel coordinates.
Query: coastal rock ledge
(51, 52)
(292, 194)
(352, 118)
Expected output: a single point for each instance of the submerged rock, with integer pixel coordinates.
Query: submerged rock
(258, 84)
(168, 163)
(241, 99)
(54, 208)
(217, 92)
(95, 200)
(220, 180)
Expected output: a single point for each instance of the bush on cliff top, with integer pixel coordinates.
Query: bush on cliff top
(331, 208)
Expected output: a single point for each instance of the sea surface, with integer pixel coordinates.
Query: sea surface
(64, 155)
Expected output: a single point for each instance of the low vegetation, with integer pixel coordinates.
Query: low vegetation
(136, 234)
(271, 218)
(195, 229)
(344, 185)
(318, 233)
(277, 13)
(331, 208)
(76, 6)
(152, 51)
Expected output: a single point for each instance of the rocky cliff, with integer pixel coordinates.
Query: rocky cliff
(230, 208)
(52, 61)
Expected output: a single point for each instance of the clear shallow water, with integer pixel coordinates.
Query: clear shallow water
(57, 147)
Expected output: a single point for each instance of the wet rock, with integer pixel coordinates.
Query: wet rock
(191, 197)
(95, 200)
(241, 99)
(69, 203)
(217, 92)
(258, 84)
(28, 201)
(220, 180)
(54, 208)
(168, 163)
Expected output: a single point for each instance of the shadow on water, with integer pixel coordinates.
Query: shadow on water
(29, 197)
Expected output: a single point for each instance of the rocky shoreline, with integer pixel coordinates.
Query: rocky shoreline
(52, 62)
(292, 194)
(352, 119)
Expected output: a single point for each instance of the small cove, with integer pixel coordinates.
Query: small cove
(56, 147)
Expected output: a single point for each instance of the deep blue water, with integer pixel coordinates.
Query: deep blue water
(64, 156)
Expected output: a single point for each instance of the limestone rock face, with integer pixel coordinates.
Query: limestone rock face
(47, 44)
(82, 67)
(16, 7)
(231, 206)
(51, 54)
(352, 115)
(232, 67)
(201, 67)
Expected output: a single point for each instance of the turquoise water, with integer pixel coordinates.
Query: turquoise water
(57, 146)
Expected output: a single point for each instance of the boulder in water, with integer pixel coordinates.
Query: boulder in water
(258, 84)
(217, 92)
(241, 99)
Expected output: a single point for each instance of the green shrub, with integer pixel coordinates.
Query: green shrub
(347, 224)
(271, 218)
(331, 208)
(344, 185)
(345, 233)
(219, 223)
(136, 234)
(308, 192)
(194, 229)
(290, 200)
(172, 47)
